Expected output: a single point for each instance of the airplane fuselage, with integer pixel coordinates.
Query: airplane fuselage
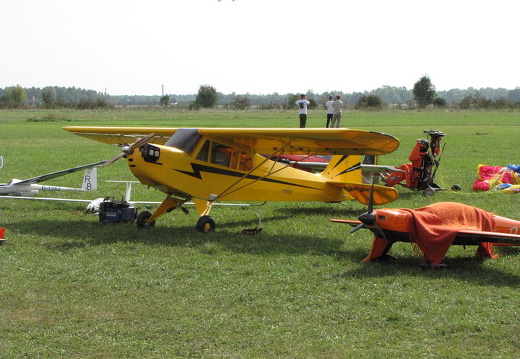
(14, 189)
(397, 221)
(178, 173)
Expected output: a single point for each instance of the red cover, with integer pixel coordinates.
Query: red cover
(435, 227)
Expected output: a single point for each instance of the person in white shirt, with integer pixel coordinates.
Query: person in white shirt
(330, 110)
(337, 105)
(302, 105)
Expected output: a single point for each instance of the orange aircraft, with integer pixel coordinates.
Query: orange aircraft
(433, 229)
(205, 165)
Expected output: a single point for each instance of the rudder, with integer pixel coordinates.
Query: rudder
(343, 169)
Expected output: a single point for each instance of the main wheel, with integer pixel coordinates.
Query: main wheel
(205, 224)
(429, 192)
(142, 218)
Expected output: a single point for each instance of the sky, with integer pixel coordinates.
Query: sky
(154, 47)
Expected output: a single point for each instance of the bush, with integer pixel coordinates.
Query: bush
(372, 102)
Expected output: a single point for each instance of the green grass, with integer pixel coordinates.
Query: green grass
(74, 288)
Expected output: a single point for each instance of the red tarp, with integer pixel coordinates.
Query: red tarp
(434, 228)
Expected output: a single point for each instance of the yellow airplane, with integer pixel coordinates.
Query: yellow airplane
(235, 164)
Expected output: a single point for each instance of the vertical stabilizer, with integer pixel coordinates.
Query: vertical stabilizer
(90, 179)
(343, 169)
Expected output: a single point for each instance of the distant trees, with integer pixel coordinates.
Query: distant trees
(53, 97)
(48, 97)
(241, 103)
(371, 102)
(424, 92)
(478, 101)
(165, 100)
(206, 97)
(14, 97)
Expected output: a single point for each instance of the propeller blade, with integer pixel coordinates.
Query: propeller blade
(113, 159)
(358, 227)
(129, 149)
(141, 142)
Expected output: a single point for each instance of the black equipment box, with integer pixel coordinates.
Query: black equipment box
(111, 211)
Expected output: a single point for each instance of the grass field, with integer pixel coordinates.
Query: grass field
(72, 287)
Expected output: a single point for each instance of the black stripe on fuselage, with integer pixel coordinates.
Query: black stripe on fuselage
(198, 169)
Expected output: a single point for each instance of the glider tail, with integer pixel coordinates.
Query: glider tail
(90, 179)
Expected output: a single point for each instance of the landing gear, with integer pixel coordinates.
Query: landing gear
(142, 218)
(205, 224)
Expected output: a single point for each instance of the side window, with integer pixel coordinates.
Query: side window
(225, 156)
(204, 151)
(246, 162)
(220, 154)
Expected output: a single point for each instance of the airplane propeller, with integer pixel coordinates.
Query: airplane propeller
(129, 149)
(369, 217)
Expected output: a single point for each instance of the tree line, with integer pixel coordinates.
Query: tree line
(423, 94)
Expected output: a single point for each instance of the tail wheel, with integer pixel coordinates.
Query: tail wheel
(142, 220)
(205, 224)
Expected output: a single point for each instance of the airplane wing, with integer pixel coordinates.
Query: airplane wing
(293, 141)
(302, 141)
(58, 173)
(469, 237)
(464, 236)
(47, 199)
(121, 135)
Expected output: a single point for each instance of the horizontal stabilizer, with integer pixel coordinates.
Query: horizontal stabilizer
(361, 192)
(379, 169)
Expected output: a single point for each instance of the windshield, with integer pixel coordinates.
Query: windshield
(185, 139)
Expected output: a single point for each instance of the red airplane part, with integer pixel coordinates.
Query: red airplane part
(2, 232)
(435, 228)
(419, 174)
(306, 163)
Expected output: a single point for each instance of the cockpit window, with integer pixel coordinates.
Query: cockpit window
(223, 155)
(204, 152)
(185, 139)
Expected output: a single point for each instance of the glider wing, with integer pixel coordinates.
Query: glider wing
(52, 175)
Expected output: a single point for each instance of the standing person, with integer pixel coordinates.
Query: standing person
(302, 105)
(337, 105)
(330, 110)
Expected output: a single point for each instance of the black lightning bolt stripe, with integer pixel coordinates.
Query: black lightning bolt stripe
(198, 169)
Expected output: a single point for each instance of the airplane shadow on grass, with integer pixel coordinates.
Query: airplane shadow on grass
(65, 235)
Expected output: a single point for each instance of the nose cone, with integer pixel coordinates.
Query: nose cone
(368, 218)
